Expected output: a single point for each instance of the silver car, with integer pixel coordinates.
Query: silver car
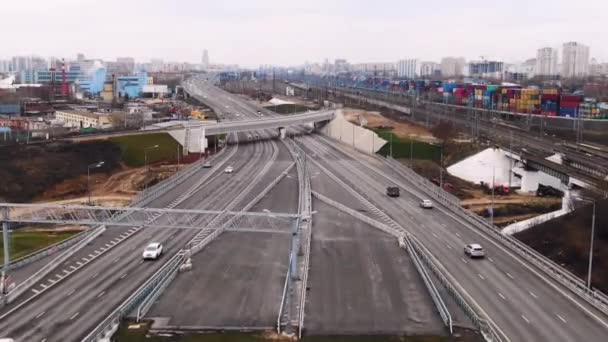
(474, 250)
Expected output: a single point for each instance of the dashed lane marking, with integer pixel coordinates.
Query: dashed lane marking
(74, 316)
(561, 318)
(40, 314)
(480, 276)
(101, 294)
(525, 319)
(70, 293)
(435, 235)
(501, 296)
(509, 275)
(533, 295)
(124, 275)
(466, 262)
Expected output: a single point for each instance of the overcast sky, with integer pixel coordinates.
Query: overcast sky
(253, 32)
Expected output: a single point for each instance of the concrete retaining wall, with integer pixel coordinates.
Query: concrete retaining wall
(361, 138)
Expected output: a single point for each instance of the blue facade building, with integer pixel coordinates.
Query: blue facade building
(131, 86)
(89, 80)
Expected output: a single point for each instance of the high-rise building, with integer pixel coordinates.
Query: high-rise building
(485, 68)
(546, 62)
(429, 69)
(575, 60)
(205, 59)
(80, 57)
(409, 68)
(5, 65)
(341, 65)
(452, 66)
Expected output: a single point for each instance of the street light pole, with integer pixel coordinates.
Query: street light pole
(146, 163)
(89, 167)
(591, 248)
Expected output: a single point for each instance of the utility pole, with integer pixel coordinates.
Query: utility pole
(591, 248)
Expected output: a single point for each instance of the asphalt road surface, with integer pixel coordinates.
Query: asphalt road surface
(362, 282)
(513, 294)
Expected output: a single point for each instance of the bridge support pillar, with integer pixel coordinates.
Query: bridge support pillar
(282, 132)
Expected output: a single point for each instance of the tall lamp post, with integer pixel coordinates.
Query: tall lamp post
(146, 161)
(594, 202)
(92, 166)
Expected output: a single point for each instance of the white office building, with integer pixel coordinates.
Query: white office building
(546, 62)
(428, 69)
(452, 66)
(409, 68)
(575, 60)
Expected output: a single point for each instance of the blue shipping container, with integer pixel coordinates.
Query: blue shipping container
(10, 109)
(568, 111)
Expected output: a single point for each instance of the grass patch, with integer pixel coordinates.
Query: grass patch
(24, 243)
(403, 146)
(132, 148)
(288, 108)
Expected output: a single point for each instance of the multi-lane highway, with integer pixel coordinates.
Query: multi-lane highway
(360, 280)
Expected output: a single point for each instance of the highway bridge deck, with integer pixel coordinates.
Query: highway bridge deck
(361, 282)
(236, 281)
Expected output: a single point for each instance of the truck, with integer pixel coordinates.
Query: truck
(392, 191)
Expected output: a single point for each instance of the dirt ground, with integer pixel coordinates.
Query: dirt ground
(107, 189)
(376, 120)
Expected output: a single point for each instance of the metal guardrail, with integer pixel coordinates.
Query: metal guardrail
(595, 297)
(49, 250)
(36, 277)
(107, 327)
(406, 243)
(488, 331)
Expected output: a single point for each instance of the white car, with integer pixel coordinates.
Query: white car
(427, 204)
(206, 165)
(229, 169)
(474, 250)
(153, 251)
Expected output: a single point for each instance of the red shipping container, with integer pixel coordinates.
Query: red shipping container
(571, 98)
(569, 104)
(550, 97)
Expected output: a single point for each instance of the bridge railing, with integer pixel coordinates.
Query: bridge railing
(105, 329)
(46, 269)
(595, 297)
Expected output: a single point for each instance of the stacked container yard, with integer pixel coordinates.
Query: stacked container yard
(568, 105)
(549, 104)
(589, 108)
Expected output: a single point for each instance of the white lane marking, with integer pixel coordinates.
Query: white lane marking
(466, 262)
(85, 260)
(103, 249)
(533, 295)
(35, 291)
(435, 235)
(448, 246)
(40, 314)
(108, 245)
(457, 234)
(43, 286)
(116, 260)
(91, 256)
(141, 262)
(66, 271)
(43, 340)
(101, 294)
(509, 275)
(97, 252)
(525, 319)
(480, 276)
(95, 275)
(561, 318)
(79, 263)
(74, 316)
(73, 267)
(491, 260)
(70, 293)
(124, 275)
(52, 281)
(58, 276)
(502, 296)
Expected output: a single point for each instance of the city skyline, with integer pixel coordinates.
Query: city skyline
(274, 32)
